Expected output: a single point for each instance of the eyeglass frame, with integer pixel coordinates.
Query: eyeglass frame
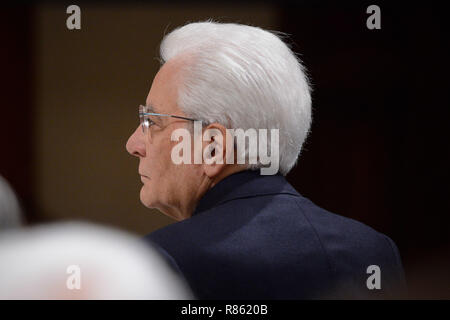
(143, 114)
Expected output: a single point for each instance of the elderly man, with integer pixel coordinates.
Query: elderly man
(242, 234)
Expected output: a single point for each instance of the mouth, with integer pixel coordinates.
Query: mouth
(143, 176)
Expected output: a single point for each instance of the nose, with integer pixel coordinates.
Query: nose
(135, 144)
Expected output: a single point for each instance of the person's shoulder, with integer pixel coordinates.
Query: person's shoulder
(343, 235)
(329, 222)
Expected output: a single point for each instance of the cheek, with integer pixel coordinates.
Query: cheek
(158, 157)
(160, 167)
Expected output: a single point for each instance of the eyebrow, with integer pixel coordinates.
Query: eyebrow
(150, 108)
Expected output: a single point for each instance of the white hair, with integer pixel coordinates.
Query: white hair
(243, 77)
(38, 263)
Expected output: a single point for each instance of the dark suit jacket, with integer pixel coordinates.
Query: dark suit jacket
(256, 237)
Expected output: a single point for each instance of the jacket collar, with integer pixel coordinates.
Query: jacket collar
(244, 184)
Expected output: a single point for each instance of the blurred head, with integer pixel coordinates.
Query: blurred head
(10, 212)
(228, 76)
(82, 261)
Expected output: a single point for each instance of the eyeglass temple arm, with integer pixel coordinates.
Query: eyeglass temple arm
(165, 115)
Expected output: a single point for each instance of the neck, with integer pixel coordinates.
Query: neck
(227, 171)
(184, 209)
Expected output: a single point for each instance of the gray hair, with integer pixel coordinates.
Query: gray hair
(243, 77)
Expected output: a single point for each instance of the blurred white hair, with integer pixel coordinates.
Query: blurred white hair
(243, 77)
(10, 211)
(113, 264)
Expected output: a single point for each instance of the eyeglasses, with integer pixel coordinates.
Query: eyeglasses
(146, 121)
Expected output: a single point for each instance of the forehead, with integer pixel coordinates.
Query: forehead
(163, 93)
(150, 108)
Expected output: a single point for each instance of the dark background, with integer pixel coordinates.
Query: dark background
(378, 150)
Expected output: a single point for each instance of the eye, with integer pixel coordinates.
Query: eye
(148, 122)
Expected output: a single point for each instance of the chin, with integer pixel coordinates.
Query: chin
(145, 200)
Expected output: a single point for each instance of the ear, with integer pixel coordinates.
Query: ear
(214, 149)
